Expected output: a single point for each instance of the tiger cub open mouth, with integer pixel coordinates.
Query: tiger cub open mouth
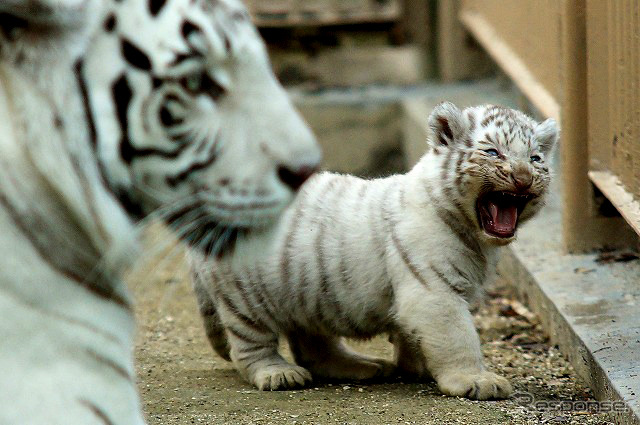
(498, 212)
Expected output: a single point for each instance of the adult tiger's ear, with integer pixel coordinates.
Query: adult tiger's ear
(546, 134)
(446, 125)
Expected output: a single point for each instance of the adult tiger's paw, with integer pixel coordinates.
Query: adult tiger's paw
(281, 377)
(477, 386)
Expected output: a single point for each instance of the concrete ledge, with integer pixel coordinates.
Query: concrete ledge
(590, 309)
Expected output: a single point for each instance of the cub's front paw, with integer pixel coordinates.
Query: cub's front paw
(281, 377)
(477, 386)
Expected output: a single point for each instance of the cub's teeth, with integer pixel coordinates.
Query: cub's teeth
(493, 210)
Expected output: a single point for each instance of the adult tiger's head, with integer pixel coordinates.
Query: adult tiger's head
(189, 120)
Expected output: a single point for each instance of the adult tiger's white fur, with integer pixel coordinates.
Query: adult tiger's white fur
(111, 111)
(403, 255)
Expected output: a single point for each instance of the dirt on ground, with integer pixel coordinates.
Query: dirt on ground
(182, 381)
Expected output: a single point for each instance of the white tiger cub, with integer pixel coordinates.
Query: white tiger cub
(402, 255)
(113, 111)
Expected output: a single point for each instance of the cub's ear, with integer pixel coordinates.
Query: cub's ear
(446, 125)
(546, 135)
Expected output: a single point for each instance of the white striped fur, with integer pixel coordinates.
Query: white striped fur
(403, 255)
(114, 111)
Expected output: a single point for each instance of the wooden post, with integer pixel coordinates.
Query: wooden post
(583, 228)
(578, 196)
(417, 27)
(458, 57)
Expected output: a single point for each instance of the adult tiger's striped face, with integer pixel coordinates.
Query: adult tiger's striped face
(188, 119)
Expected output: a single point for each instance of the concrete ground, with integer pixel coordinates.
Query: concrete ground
(183, 382)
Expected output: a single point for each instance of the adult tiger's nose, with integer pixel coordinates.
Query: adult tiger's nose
(294, 178)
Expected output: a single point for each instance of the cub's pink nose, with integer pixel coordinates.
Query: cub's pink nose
(294, 178)
(522, 180)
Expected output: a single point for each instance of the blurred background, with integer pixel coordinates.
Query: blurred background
(366, 73)
(358, 69)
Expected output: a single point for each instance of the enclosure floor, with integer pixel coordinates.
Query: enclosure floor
(182, 381)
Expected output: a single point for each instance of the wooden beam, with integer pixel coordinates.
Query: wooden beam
(511, 64)
(320, 13)
(615, 192)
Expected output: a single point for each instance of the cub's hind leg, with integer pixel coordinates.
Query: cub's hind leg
(257, 359)
(210, 318)
(238, 334)
(328, 357)
(407, 355)
(253, 348)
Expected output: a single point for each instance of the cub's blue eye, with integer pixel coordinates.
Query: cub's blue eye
(492, 152)
(535, 158)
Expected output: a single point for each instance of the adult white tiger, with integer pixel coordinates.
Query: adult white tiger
(111, 110)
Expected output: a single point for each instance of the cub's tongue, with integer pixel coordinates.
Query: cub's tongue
(504, 218)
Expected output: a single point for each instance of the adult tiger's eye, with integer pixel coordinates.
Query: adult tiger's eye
(202, 83)
(492, 152)
(193, 82)
(535, 158)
